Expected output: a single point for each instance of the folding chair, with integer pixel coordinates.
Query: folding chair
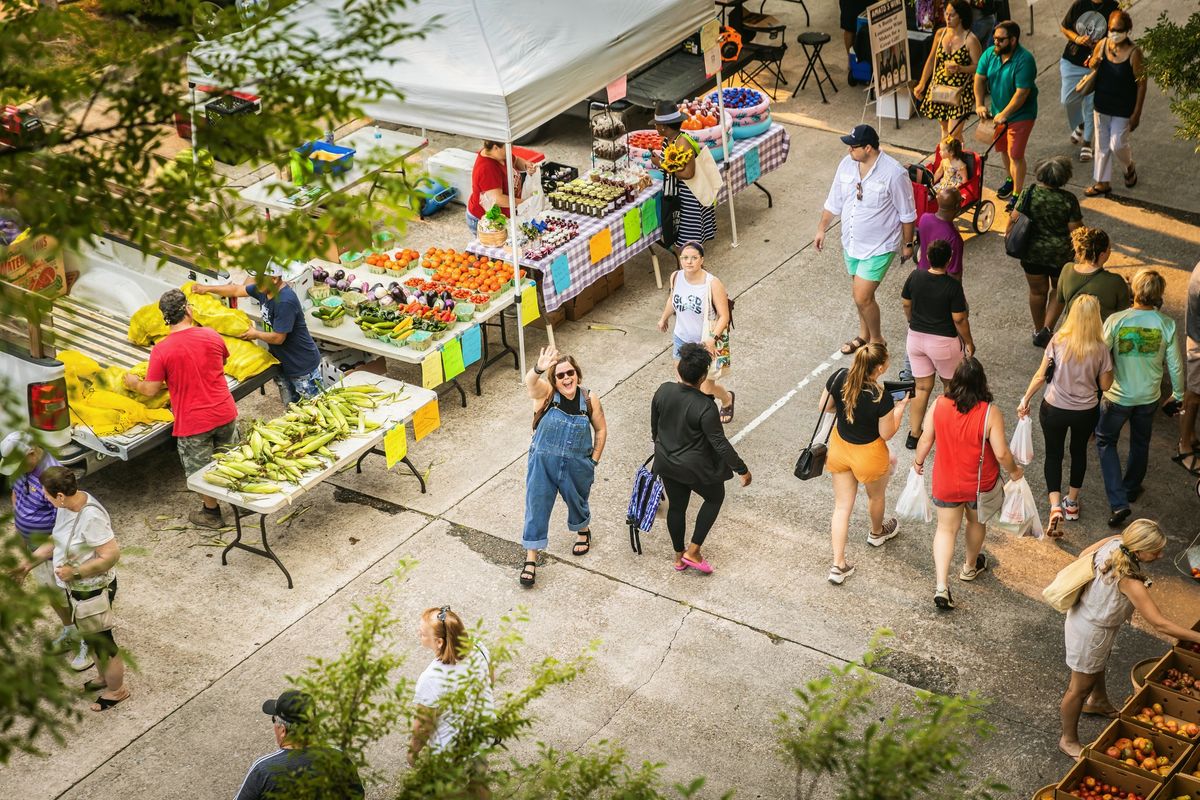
(764, 53)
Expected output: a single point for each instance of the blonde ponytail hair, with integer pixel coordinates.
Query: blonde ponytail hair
(867, 359)
(1142, 536)
(450, 630)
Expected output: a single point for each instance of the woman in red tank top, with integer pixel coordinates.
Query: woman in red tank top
(967, 464)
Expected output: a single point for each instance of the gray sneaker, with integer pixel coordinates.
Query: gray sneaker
(838, 575)
(202, 519)
(943, 600)
(891, 528)
(82, 659)
(981, 564)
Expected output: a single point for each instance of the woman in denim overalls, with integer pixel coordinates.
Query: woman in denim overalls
(562, 457)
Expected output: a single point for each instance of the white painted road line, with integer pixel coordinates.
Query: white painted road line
(781, 402)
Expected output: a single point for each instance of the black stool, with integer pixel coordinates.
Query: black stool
(811, 43)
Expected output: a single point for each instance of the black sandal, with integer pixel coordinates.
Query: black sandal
(1194, 469)
(586, 544)
(532, 573)
(105, 703)
(727, 411)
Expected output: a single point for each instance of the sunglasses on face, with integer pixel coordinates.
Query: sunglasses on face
(858, 191)
(567, 374)
(999, 38)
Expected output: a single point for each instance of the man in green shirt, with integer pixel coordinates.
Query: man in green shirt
(1142, 340)
(1008, 72)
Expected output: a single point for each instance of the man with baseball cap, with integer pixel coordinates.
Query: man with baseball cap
(34, 516)
(285, 331)
(297, 769)
(190, 362)
(874, 198)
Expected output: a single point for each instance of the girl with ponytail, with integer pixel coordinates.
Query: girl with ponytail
(865, 418)
(1119, 587)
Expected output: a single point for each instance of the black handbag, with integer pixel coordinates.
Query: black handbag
(811, 463)
(1020, 231)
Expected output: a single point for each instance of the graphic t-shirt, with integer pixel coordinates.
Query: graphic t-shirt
(1049, 212)
(192, 363)
(1087, 17)
(298, 354)
(935, 299)
(1142, 342)
(867, 411)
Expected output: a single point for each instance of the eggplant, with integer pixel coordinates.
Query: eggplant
(385, 300)
(364, 287)
(341, 273)
(343, 285)
(396, 292)
(450, 304)
(319, 274)
(371, 297)
(351, 277)
(431, 298)
(392, 286)
(330, 282)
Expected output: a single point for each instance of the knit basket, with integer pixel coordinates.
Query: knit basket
(491, 238)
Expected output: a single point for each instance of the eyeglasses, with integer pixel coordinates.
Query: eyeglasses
(567, 374)
(1000, 38)
(858, 193)
(1118, 30)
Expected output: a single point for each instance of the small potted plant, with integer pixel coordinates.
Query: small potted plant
(493, 228)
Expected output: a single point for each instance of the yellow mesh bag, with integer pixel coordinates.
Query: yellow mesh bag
(246, 359)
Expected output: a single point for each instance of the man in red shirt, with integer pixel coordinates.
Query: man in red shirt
(190, 361)
(489, 182)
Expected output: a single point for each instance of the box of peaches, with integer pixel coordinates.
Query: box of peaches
(1139, 749)
(1091, 779)
(1164, 711)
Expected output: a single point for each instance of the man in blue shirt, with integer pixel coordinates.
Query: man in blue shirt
(284, 331)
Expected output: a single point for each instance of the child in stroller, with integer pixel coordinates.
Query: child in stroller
(953, 164)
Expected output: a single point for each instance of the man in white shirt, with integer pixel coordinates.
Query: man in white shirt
(872, 194)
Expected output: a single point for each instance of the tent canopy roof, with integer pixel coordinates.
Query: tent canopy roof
(497, 69)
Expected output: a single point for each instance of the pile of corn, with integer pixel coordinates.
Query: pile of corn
(282, 450)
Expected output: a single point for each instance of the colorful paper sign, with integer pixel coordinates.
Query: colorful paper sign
(600, 245)
(529, 304)
(431, 370)
(712, 61)
(709, 32)
(426, 420)
(560, 273)
(395, 445)
(452, 360)
(633, 226)
(472, 345)
(650, 215)
(616, 89)
(752, 165)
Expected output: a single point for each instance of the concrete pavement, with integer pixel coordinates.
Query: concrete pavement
(691, 670)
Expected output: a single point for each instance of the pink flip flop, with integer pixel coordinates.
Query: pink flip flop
(702, 566)
(679, 567)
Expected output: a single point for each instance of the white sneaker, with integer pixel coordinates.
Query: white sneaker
(1077, 135)
(63, 640)
(838, 575)
(82, 660)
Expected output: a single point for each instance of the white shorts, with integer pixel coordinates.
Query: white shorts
(1088, 645)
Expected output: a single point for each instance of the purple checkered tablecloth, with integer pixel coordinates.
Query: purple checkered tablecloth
(772, 149)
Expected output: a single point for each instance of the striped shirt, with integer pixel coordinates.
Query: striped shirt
(32, 511)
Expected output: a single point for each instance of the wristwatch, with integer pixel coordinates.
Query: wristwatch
(537, 371)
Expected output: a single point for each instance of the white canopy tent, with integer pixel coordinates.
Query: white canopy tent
(498, 69)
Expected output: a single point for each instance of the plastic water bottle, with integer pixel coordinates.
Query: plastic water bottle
(378, 135)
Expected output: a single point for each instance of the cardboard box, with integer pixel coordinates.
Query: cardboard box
(1123, 779)
(1180, 786)
(1182, 710)
(1190, 648)
(599, 290)
(1169, 746)
(615, 279)
(30, 263)
(1191, 764)
(1182, 661)
(580, 305)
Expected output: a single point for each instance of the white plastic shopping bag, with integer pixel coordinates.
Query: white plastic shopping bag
(1019, 514)
(914, 500)
(1022, 441)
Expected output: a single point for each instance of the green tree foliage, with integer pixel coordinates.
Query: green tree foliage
(833, 735)
(110, 110)
(1172, 63)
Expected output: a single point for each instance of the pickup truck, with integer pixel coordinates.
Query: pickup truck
(114, 280)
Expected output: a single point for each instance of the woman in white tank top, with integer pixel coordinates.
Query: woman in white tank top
(691, 286)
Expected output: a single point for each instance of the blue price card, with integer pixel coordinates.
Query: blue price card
(752, 165)
(472, 345)
(560, 271)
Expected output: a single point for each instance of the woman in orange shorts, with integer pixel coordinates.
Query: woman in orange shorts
(866, 417)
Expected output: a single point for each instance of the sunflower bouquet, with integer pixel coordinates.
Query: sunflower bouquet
(675, 157)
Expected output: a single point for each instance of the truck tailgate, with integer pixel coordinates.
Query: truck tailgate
(103, 336)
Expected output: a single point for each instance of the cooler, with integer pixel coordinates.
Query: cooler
(452, 167)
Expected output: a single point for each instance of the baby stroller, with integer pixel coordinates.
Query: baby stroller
(971, 190)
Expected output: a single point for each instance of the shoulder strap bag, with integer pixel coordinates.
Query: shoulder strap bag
(94, 614)
(706, 183)
(942, 93)
(1020, 230)
(1064, 591)
(811, 462)
(987, 503)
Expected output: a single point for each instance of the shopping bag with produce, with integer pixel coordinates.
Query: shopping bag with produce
(1022, 441)
(914, 500)
(1019, 514)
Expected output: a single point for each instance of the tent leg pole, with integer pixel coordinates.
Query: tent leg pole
(725, 148)
(516, 257)
(657, 270)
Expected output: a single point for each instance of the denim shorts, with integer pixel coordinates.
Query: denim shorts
(291, 390)
(678, 343)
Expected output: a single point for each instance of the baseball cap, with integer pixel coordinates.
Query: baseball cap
(860, 136)
(18, 442)
(273, 270)
(292, 706)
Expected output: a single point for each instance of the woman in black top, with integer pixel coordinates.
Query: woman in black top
(1120, 92)
(939, 332)
(866, 417)
(691, 454)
